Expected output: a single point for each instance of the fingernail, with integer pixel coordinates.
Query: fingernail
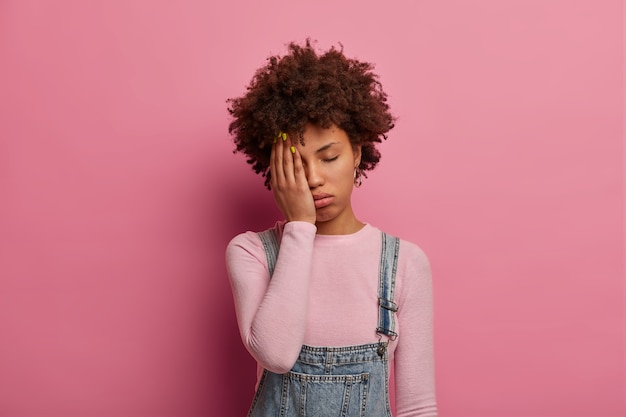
(274, 140)
(284, 135)
(293, 149)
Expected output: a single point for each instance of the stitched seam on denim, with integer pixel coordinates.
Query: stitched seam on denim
(303, 389)
(341, 349)
(335, 365)
(364, 394)
(344, 363)
(298, 376)
(347, 391)
(386, 393)
(284, 395)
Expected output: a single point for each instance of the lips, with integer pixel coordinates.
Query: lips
(322, 200)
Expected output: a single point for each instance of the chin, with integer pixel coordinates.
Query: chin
(323, 218)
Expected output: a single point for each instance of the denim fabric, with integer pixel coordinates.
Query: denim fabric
(351, 381)
(386, 286)
(325, 381)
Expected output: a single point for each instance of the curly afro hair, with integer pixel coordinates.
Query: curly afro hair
(306, 87)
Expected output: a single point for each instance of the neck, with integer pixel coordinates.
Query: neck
(345, 225)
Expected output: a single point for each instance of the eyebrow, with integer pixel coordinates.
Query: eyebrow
(325, 147)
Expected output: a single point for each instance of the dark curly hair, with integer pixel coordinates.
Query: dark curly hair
(304, 87)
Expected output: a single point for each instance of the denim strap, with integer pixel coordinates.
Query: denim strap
(386, 286)
(270, 244)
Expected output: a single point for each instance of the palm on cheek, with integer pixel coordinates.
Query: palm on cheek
(289, 183)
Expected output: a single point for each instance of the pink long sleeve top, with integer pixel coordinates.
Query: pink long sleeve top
(324, 292)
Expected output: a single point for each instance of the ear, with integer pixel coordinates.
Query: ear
(356, 151)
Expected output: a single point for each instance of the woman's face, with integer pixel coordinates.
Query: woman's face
(329, 161)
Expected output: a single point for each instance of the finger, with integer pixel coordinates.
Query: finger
(298, 169)
(288, 161)
(278, 161)
(273, 167)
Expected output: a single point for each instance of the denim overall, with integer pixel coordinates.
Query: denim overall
(349, 381)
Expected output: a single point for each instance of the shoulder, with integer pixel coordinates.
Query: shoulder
(253, 239)
(409, 252)
(413, 263)
(412, 253)
(250, 243)
(413, 275)
(297, 231)
(414, 268)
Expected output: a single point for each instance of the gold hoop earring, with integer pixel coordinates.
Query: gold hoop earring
(358, 177)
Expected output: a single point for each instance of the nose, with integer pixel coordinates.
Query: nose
(313, 176)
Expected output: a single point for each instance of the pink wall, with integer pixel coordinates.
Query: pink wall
(119, 192)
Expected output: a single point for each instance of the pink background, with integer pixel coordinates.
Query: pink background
(119, 193)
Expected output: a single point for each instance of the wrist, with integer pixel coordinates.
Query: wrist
(301, 225)
(301, 221)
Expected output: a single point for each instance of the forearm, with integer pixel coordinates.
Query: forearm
(272, 313)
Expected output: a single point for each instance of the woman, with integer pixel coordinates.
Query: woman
(326, 302)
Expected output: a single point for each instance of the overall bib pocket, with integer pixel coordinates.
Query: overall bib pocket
(327, 395)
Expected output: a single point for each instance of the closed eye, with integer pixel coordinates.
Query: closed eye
(330, 159)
